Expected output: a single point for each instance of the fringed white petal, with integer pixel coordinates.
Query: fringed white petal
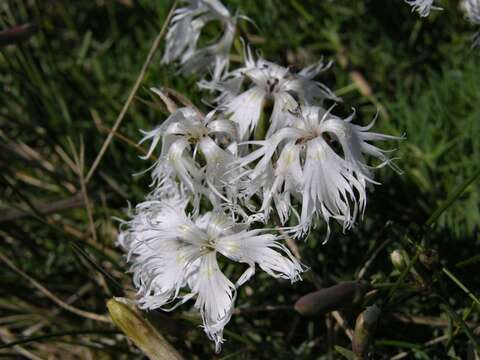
(288, 180)
(159, 260)
(253, 247)
(423, 7)
(185, 29)
(330, 188)
(245, 110)
(216, 295)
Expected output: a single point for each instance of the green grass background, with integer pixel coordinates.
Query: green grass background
(80, 66)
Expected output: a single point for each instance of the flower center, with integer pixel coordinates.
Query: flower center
(196, 134)
(209, 245)
(271, 85)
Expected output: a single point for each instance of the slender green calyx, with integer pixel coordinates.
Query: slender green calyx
(140, 331)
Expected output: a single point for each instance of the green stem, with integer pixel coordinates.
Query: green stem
(460, 285)
(402, 276)
(451, 312)
(451, 199)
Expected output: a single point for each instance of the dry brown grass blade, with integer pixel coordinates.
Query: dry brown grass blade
(361, 83)
(23, 150)
(372, 258)
(169, 103)
(343, 324)
(80, 169)
(404, 354)
(33, 181)
(291, 244)
(44, 207)
(425, 320)
(51, 296)
(182, 99)
(105, 129)
(6, 336)
(39, 325)
(131, 96)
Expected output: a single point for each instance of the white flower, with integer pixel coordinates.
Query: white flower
(184, 135)
(184, 32)
(423, 7)
(174, 257)
(269, 82)
(320, 160)
(472, 12)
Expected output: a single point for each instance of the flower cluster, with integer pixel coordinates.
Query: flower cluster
(268, 161)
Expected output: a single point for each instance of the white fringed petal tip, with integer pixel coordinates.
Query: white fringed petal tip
(423, 7)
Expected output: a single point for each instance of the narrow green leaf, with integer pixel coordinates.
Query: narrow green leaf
(451, 312)
(346, 353)
(460, 285)
(452, 198)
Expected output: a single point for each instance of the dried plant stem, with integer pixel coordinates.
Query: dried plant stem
(105, 129)
(404, 354)
(342, 323)
(60, 334)
(80, 168)
(265, 308)
(288, 240)
(424, 320)
(6, 336)
(185, 101)
(51, 296)
(131, 96)
(38, 326)
(372, 258)
(44, 208)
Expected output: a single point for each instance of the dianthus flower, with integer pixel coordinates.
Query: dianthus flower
(198, 150)
(320, 160)
(268, 82)
(174, 258)
(185, 30)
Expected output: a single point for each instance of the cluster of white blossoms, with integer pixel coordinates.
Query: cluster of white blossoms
(268, 161)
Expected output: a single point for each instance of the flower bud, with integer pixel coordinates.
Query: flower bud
(332, 298)
(429, 258)
(399, 259)
(364, 330)
(140, 331)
